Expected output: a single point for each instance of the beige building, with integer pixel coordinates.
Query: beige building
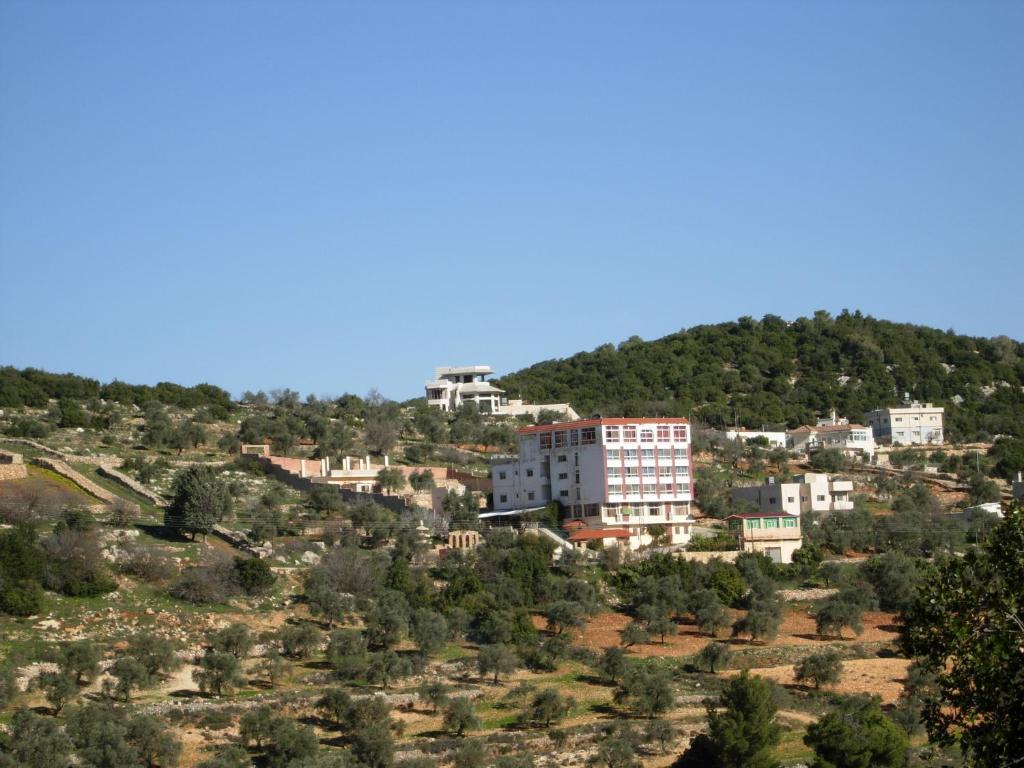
(811, 492)
(775, 535)
(912, 423)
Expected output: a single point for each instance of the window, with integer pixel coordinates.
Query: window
(647, 453)
(683, 471)
(663, 433)
(614, 471)
(574, 437)
(629, 434)
(577, 477)
(683, 487)
(633, 488)
(646, 435)
(820, 497)
(577, 494)
(681, 453)
(679, 432)
(654, 510)
(789, 522)
(772, 500)
(588, 436)
(530, 496)
(629, 453)
(790, 499)
(611, 434)
(501, 475)
(613, 454)
(561, 458)
(529, 473)
(559, 439)
(650, 488)
(753, 523)
(563, 475)
(771, 522)
(632, 471)
(564, 494)
(666, 489)
(664, 471)
(665, 453)
(648, 471)
(504, 498)
(545, 441)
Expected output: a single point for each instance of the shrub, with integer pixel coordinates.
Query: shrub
(820, 668)
(254, 575)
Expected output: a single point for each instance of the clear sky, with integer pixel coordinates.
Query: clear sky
(335, 196)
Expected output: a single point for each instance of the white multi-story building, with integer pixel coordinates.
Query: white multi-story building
(623, 479)
(453, 387)
(806, 493)
(851, 439)
(912, 423)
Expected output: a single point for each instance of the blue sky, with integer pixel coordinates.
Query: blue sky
(338, 196)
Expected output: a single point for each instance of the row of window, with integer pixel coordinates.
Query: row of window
(563, 438)
(615, 454)
(628, 434)
(648, 489)
(663, 471)
(769, 522)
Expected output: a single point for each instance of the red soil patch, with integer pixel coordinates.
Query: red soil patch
(880, 677)
(797, 629)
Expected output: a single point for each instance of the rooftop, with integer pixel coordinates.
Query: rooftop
(745, 515)
(826, 428)
(599, 533)
(598, 422)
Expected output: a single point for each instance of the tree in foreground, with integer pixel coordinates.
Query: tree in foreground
(966, 625)
(836, 613)
(740, 736)
(857, 734)
(824, 668)
(645, 690)
(35, 742)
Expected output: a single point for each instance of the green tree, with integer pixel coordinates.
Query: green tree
(548, 706)
(298, 641)
(708, 611)
(964, 626)
(200, 500)
(634, 634)
(386, 666)
(823, 668)
(563, 615)
(434, 693)
(498, 659)
(130, 674)
(58, 687)
(838, 612)
(761, 621)
(857, 734)
(36, 742)
(235, 639)
(460, 716)
(429, 631)
(288, 742)
(645, 690)
(254, 726)
(154, 744)
(612, 663)
(390, 480)
(218, 673)
(79, 660)
(714, 655)
(742, 734)
(335, 705)
(156, 654)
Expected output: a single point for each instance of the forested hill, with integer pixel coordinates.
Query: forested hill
(771, 371)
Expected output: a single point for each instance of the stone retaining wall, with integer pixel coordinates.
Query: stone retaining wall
(12, 466)
(94, 460)
(87, 485)
(108, 471)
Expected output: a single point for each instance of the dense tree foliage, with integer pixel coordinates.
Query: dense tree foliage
(965, 626)
(770, 371)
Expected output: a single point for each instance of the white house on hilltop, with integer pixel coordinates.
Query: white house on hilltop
(455, 386)
(913, 423)
(618, 480)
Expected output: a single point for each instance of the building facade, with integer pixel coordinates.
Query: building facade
(806, 493)
(610, 474)
(912, 423)
(853, 440)
(775, 439)
(777, 536)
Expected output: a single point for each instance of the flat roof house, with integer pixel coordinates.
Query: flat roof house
(850, 439)
(811, 492)
(619, 480)
(912, 423)
(775, 535)
(455, 386)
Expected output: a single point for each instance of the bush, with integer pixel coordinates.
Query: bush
(254, 575)
(204, 585)
(820, 668)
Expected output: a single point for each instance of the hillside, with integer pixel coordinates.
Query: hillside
(771, 371)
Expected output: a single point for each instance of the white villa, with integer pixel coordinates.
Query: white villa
(455, 386)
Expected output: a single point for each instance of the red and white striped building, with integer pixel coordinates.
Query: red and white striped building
(612, 475)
